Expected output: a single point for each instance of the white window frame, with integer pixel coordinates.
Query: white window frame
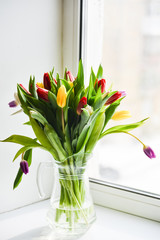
(106, 194)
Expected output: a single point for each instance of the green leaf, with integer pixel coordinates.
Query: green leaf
(53, 84)
(66, 84)
(68, 140)
(36, 103)
(23, 140)
(26, 148)
(110, 111)
(90, 89)
(23, 101)
(53, 100)
(58, 81)
(98, 126)
(93, 76)
(28, 156)
(52, 71)
(77, 98)
(80, 78)
(42, 138)
(101, 103)
(83, 137)
(18, 178)
(55, 141)
(84, 119)
(32, 87)
(65, 74)
(123, 128)
(36, 115)
(100, 72)
(27, 123)
(20, 151)
(98, 99)
(69, 95)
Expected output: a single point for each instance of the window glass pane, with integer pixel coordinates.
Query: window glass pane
(130, 56)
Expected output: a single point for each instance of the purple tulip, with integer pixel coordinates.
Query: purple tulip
(12, 104)
(24, 166)
(149, 152)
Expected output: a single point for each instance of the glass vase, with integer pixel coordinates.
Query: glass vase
(71, 211)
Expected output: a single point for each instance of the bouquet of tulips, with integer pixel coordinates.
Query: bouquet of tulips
(68, 120)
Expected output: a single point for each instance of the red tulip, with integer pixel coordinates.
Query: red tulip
(69, 74)
(115, 97)
(43, 94)
(55, 80)
(102, 83)
(46, 81)
(25, 89)
(81, 105)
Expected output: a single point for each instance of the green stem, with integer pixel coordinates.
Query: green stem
(134, 137)
(63, 121)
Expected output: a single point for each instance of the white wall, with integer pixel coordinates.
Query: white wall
(30, 43)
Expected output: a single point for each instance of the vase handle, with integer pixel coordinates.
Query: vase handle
(40, 171)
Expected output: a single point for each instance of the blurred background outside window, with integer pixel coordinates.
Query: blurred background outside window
(125, 37)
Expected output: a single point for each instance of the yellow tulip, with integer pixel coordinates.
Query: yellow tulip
(61, 97)
(39, 84)
(121, 115)
(70, 83)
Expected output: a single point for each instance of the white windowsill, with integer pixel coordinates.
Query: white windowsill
(29, 223)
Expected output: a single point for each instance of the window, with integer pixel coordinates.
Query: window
(124, 37)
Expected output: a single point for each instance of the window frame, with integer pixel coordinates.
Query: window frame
(125, 199)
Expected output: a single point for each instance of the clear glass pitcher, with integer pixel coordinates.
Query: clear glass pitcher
(71, 211)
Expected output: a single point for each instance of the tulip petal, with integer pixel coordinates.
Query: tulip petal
(24, 166)
(149, 152)
(61, 97)
(69, 74)
(43, 94)
(46, 81)
(81, 104)
(121, 115)
(102, 83)
(12, 104)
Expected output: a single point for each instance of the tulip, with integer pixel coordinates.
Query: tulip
(102, 83)
(149, 152)
(55, 80)
(115, 97)
(69, 74)
(123, 93)
(70, 83)
(43, 94)
(81, 105)
(46, 81)
(121, 115)
(89, 109)
(15, 102)
(25, 89)
(61, 97)
(24, 166)
(41, 85)
(12, 104)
